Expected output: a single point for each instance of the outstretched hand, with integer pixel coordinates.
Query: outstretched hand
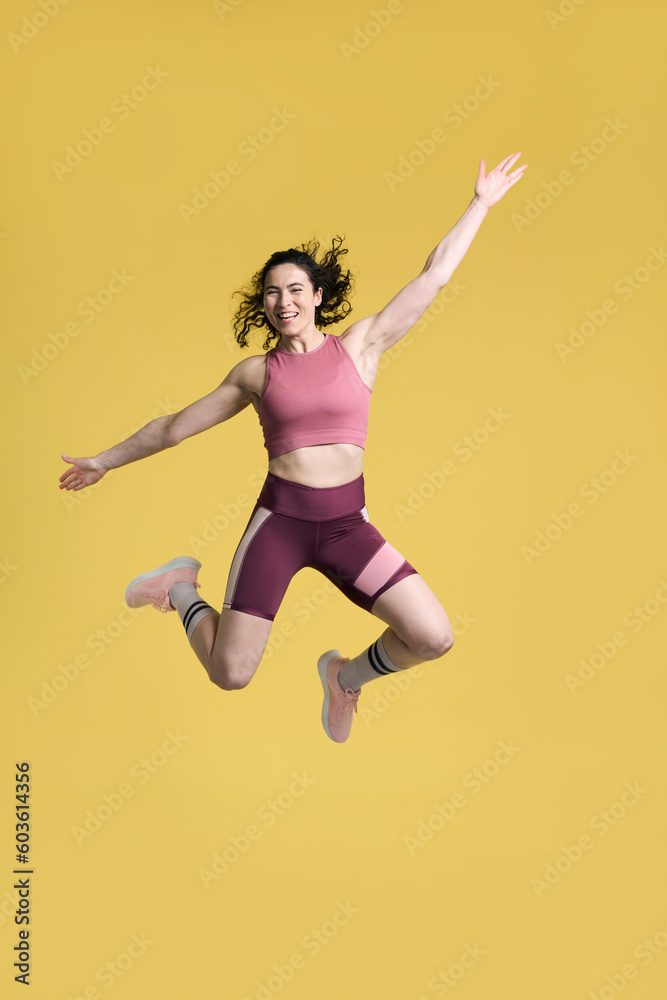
(83, 472)
(492, 186)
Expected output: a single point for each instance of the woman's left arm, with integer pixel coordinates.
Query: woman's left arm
(386, 328)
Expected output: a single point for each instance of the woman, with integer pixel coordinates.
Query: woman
(312, 395)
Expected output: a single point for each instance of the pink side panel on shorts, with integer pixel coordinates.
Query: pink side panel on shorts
(379, 569)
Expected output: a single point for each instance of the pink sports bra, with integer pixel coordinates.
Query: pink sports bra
(313, 398)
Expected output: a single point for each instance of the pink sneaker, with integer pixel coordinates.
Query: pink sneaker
(339, 705)
(153, 587)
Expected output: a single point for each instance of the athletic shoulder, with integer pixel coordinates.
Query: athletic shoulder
(249, 373)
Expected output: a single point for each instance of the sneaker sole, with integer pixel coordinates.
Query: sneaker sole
(182, 562)
(322, 664)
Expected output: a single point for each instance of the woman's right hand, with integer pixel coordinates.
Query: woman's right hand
(82, 472)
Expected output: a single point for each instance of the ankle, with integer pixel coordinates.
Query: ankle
(343, 675)
(181, 587)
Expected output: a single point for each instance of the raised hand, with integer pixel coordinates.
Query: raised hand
(492, 186)
(83, 472)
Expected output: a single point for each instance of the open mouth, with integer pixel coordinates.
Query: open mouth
(287, 317)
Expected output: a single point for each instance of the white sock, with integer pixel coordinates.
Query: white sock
(191, 609)
(372, 663)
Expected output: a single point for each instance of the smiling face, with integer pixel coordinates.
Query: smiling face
(289, 300)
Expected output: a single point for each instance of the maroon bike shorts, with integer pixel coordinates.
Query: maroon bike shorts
(293, 526)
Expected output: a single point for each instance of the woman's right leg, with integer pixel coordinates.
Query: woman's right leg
(230, 646)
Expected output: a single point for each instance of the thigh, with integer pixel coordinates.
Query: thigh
(414, 612)
(359, 560)
(240, 641)
(272, 549)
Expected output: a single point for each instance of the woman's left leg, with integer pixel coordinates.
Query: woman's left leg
(375, 576)
(419, 628)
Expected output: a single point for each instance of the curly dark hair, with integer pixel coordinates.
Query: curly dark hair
(326, 274)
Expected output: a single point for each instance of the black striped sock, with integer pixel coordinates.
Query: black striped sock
(372, 663)
(379, 658)
(191, 609)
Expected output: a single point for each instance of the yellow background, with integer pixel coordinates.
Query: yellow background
(527, 622)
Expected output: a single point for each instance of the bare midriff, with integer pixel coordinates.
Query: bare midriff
(320, 465)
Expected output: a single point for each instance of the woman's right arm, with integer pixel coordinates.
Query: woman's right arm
(228, 399)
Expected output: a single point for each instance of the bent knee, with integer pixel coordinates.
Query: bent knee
(432, 645)
(230, 675)
(228, 682)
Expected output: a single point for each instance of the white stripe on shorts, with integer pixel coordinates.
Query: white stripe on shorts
(258, 520)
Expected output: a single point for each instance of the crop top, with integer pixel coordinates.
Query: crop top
(316, 397)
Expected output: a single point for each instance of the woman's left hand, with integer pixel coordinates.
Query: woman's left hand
(492, 186)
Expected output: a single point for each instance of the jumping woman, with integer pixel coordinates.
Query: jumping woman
(312, 393)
